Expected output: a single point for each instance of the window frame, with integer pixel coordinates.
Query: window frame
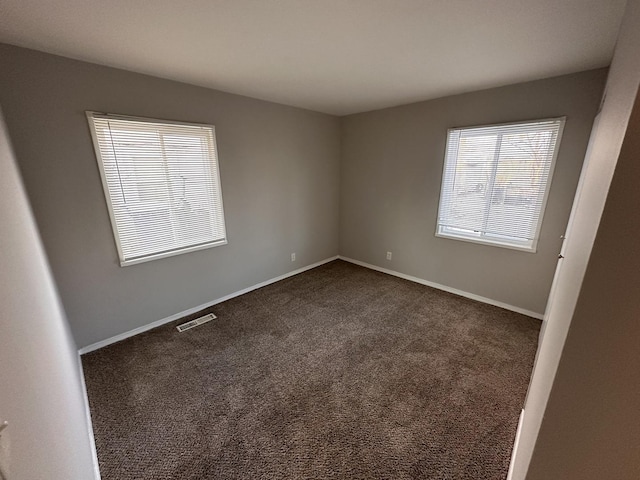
(90, 115)
(480, 237)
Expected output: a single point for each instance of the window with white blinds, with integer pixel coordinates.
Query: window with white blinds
(162, 185)
(496, 180)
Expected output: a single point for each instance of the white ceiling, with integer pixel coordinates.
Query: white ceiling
(334, 56)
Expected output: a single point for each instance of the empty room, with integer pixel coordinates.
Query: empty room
(296, 239)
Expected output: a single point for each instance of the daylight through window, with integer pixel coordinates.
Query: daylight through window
(496, 180)
(162, 185)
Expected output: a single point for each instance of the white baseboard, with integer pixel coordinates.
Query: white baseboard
(177, 316)
(157, 323)
(462, 293)
(92, 439)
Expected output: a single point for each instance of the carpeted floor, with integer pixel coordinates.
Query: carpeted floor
(338, 373)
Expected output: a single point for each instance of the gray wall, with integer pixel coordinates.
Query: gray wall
(284, 171)
(41, 394)
(279, 167)
(391, 170)
(590, 427)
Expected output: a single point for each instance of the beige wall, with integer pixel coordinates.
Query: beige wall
(41, 394)
(279, 167)
(391, 172)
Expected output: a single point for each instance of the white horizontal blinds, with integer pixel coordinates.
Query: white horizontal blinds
(162, 182)
(495, 180)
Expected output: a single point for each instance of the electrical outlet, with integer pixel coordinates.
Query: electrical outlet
(293, 257)
(389, 255)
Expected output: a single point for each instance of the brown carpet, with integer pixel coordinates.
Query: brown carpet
(339, 373)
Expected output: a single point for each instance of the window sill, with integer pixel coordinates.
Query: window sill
(490, 243)
(157, 256)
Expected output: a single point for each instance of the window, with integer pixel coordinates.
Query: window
(162, 185)
(495, 182)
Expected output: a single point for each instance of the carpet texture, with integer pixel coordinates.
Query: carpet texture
(338, 373)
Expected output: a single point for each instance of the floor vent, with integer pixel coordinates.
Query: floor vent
(196, 322)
